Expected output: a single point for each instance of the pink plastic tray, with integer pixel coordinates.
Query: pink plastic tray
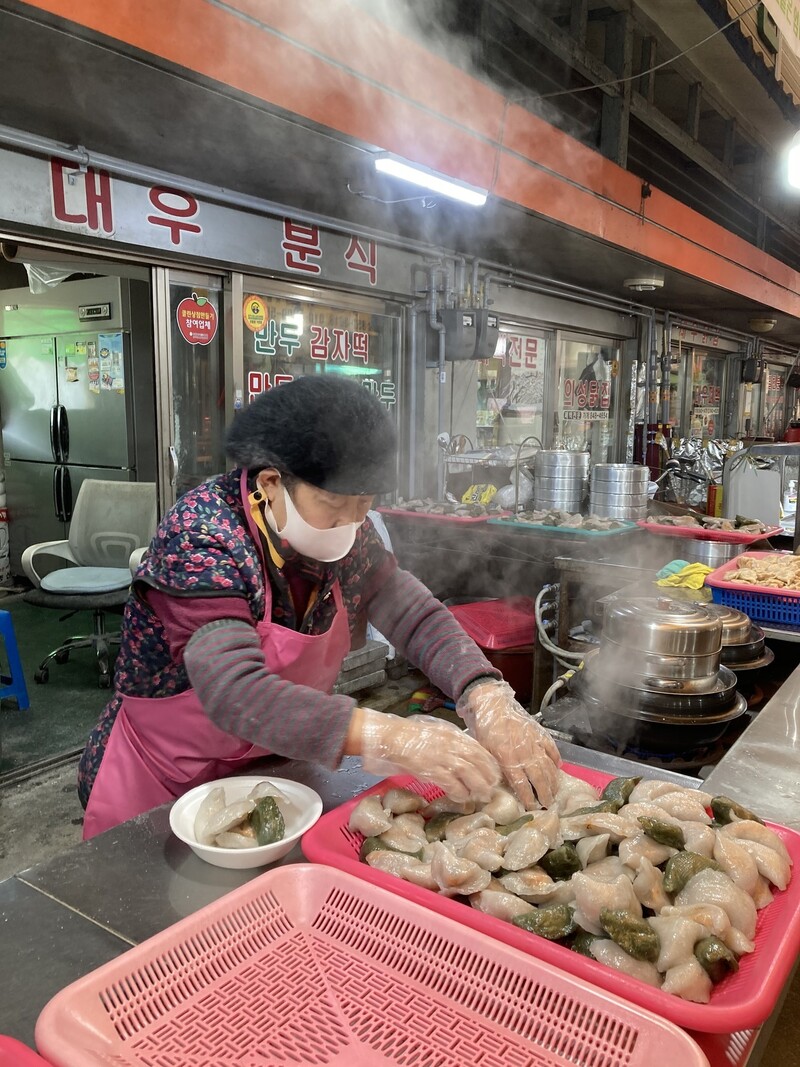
(498, 624)
(308, 965)
(15, 1054)
(698, 533)
(719, 577)
(741, 1001)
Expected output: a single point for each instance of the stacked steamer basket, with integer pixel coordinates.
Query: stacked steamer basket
(560, 480)
(618, 491)
(743, 647)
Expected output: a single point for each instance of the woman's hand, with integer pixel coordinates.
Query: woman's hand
(433, 750)
(527, 755)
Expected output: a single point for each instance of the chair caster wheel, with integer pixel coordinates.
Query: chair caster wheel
(41, 676)
(63, 656)
(104, 681)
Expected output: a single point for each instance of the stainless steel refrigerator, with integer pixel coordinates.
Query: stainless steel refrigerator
(76, 399)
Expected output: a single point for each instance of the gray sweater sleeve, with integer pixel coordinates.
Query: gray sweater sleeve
(241, 696)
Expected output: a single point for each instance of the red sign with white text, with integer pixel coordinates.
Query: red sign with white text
(197, 319)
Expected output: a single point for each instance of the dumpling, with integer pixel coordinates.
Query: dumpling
(683, 805)
(406, 834)
(699, 838)
(573, 793)
(500, 905)
(536, 886)
(549, 824)
(714, 887)
(524, 847)
(737, 863)
(688, 980)
(716, 921)
(503, 806)
(468, 824)
(211, 806)
(444, 805)
(369, 818)
(677, 936)
(648, 885)
(748, 830)
(633, 849)
(608, 869)
(574, 827)
(409, 868)
(612, 955)
(592, 896)
(592, 849)
(484, 847)
(762, 895)
(400, 801)
(652, 788)
(456, 876)
(771, 864)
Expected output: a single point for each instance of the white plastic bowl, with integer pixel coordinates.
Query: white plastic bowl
(305, 808)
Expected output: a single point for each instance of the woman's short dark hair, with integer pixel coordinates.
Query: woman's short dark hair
(324, 429)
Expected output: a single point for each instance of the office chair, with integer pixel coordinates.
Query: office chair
(111, 522)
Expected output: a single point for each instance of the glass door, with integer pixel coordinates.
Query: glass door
(587, 399)
(708, 382)
(773, 420)
(512, 388)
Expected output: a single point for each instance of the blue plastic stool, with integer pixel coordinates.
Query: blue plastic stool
(15, 685)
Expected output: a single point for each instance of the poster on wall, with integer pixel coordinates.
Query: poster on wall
(112, 365)
(93, 367)
(197, 319)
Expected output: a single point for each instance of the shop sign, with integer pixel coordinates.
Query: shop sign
(586, 401)
(197, 319)
(518, 351)
(786, 16)
(707, 398)
(261, 382)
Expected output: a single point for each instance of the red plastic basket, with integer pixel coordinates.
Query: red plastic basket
(740, 1001)
(761, 602)
(498, 624)
(308, 965)
(699, 533)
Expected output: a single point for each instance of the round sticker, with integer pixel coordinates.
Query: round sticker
(197, 319)
(254, 312)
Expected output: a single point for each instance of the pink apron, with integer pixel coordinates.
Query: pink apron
(160, 747)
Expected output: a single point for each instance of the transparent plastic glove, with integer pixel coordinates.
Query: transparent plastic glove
(433, 750)
(527, 755)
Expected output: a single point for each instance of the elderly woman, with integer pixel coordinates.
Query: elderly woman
(241, 614)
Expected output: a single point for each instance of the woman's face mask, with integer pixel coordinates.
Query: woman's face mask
(326, 546)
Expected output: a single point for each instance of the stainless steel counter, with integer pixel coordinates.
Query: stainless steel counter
(762, 768)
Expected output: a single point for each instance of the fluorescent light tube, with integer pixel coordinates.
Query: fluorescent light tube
(793, 162)
(410, 172)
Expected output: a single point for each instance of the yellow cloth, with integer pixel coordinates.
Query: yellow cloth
(691, 577)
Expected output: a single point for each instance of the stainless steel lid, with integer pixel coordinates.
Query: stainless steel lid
(620, 473)
(736, 625)
(663, 626)
(560, 459)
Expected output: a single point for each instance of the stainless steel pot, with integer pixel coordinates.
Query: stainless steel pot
(619, 500)
(736, 626)
(711, 553)
(620, 474)
(612, 511)
(561, 460)
(659, 672)
(663, 627)
(566, 481)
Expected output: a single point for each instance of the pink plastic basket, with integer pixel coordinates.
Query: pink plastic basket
(699, 533)
(15, 1054)
(740, 1001)
(308, 965)
(497, 624)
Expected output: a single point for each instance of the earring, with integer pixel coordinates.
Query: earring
(258, 496)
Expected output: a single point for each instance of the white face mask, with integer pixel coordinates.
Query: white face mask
(326, 546)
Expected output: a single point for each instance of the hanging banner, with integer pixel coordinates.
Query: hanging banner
(786, 16)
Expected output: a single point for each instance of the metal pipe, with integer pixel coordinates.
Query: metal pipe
(581, 298)
(474, 283)
(439, 328)
(461, 282)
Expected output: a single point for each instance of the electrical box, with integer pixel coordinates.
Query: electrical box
(488, 332)
(460, 333)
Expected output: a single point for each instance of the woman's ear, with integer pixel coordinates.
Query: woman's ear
(268, 482)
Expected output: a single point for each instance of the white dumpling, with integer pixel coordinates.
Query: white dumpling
(652, 788)
(677, 936)
(467, 824)
(608, 869)
(649, 810)
(716, 921)
(592, 896)
(648, 885)
(737, 863)
(454, 875)
(405, 834)
(503, 806)
(748, 830)
(699, 838)
(609, 953)
(537, 887)
(268, 789)
(524, 848)
(592, 849)
(369, 818)
(715, 887)
(689, 981)
(500, 905)
(401, 801)
(762, 894)
(409, 868)
(549, 824)
(573, 793)
(211, 806)
(484, 847)
(574, 827)
(640, 846)
(771, 864)
(683, 805)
